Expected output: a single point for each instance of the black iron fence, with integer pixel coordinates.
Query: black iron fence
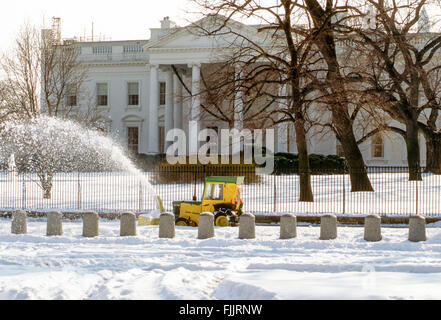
(114, 192)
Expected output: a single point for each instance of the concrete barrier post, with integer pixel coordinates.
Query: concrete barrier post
(417, 229)
(128, 225)
(19, 224)
(328, 228)
(372, 228)
(247, 226)
(167, 225)
(288, 226)
(90, 225)
(206, 225)
(54, 224)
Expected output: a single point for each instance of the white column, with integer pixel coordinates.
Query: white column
(282, 128)
(194, 125)
(238, 113)
(178, 105)
(169, 107)
(153, 136)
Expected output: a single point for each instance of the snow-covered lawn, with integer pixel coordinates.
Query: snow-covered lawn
(34, 266)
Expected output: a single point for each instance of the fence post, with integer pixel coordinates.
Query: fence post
(416, 189)
(23, 194)
(140, 197)
(344, 192)
(275, 193)
(195, 179)
(79, 193)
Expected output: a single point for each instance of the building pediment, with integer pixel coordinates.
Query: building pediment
(196, 36)
(132, 118)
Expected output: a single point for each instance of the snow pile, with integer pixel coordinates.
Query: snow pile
(34, 266)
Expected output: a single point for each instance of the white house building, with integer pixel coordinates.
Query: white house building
(137, 86)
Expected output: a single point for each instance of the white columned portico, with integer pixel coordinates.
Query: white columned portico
(153, 138)
(178, 105)
(169, 107)
(195, 111)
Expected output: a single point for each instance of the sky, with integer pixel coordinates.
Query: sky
(117, 20)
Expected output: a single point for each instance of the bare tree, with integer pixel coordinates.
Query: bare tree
(9, 108)
(22, 72)
(330, 30)
(41, 73)
(269, 69)
(402, 73)
(62, 73)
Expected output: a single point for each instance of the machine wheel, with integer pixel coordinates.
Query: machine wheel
(221, 220)
(181, 222)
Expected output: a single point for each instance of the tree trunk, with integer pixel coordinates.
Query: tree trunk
(46, 184)
(306, 194)
(357, 170)
(413, 150)
(433, 152)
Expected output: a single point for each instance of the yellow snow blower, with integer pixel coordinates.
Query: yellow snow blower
(221, 196)
(148, 219)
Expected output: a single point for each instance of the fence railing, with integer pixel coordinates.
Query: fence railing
(114, 192)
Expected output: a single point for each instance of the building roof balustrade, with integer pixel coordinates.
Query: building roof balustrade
(115, 57)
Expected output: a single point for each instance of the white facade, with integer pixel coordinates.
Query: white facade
(163, 103)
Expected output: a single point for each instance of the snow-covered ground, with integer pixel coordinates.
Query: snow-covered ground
(34, 266)
(117, 192)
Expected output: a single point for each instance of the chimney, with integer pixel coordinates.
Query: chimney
(166, 23)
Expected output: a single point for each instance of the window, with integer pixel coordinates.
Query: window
(102, 94)
(162, 93)
(378, 146)
(340, 151)
(133, 139)
(291, 133)
(71, 98)
(215, 192)
(133, 93)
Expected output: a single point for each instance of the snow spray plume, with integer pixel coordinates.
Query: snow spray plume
(47, 145)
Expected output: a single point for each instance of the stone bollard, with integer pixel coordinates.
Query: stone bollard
(328, 228)
(372, 228)
(90, 224)
(54, 224)
(206, 225)
(247, 226)
(167, 225)
(19, 224)
(288, 227)
(128, 225)
(417, 229)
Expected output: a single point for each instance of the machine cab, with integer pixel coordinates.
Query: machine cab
(222, 196)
